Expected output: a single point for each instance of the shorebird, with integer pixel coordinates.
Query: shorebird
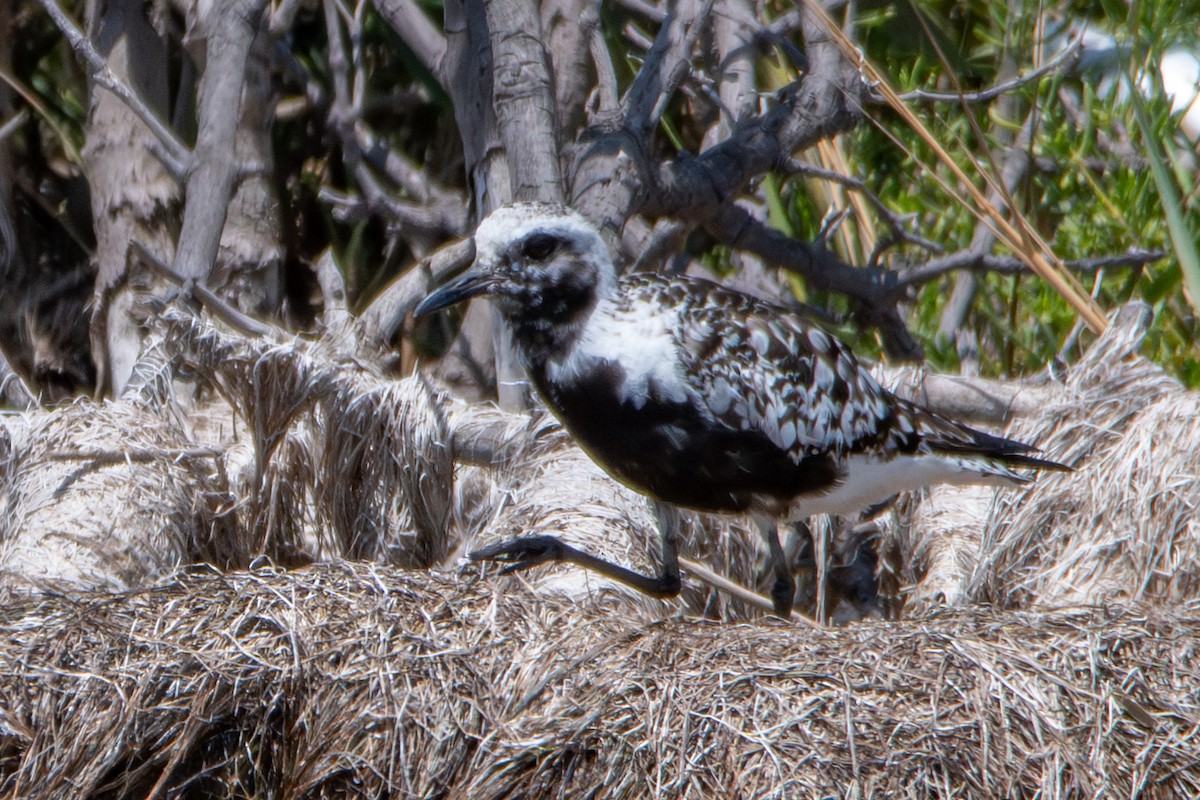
(703, 398)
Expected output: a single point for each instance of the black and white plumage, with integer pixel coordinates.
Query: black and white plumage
(701, 397)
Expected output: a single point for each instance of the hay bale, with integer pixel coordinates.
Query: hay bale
(347, 680)
(103, 495)
(1124, 526)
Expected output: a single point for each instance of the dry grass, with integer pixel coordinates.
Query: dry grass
(104, 496)
(362, 680)
(358, 679)
(1124, 526)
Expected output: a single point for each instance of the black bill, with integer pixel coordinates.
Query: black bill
(471, 283)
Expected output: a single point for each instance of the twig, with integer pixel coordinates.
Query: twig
(1066, 59)
(102, 456)
(895, 222)
(207, 297)
(175, 155)
(438, 211)
(706, 575)
(969, 259)
(10, 127)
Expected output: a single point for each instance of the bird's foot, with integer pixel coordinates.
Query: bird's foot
(522, 553)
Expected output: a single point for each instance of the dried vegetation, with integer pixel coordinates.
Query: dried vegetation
(360, 678)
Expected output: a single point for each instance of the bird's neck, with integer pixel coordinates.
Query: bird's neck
(551, 331)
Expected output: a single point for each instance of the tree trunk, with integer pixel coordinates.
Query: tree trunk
(133, 195)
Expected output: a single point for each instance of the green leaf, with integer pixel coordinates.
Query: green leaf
(1182, 237)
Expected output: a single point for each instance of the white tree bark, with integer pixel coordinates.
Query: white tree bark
(133, 195)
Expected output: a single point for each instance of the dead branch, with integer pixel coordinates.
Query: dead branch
(174, 155)
(383, 318)
(974, 261)
(1063, 61)
(228, 31)
(524, 101)
(424, 38)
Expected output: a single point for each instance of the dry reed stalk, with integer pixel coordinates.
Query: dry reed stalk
(1016, 232)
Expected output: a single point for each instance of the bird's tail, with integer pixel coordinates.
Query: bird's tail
(1002, 455)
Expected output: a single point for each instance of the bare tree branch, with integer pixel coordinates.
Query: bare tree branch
(606, 76)
(175, 155)
(972, 260)
(824, 102)
(240, 322)
(652, 12)
(1065, 60)
(733, 26)
(874, 288)
(383, 318)
(523, 98)
(665, 66)
(229, 30)
(898, 225)
(418, 32)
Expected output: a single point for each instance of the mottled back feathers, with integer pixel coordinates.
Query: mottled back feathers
(706, 397)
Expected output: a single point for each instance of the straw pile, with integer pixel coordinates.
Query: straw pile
(103, 496)
(1123, 527)
(365, 681)
(360, 679)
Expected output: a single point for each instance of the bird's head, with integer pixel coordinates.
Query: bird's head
(544, 266)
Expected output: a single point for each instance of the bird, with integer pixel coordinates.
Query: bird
(703, 398)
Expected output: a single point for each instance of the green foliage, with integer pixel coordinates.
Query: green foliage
(1090, 193)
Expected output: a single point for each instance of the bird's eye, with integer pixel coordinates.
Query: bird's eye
(539, 246)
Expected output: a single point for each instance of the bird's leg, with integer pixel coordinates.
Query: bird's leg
(529, 551)
(783, 592)
(670, 522)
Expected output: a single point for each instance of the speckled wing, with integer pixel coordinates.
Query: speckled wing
(757, 367)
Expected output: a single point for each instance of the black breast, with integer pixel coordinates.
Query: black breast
(675, 451)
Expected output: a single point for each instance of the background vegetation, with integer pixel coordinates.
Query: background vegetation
(1088, 188)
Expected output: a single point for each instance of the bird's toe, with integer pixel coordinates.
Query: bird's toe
(523, 553)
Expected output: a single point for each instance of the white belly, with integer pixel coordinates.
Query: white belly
(871, 480)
